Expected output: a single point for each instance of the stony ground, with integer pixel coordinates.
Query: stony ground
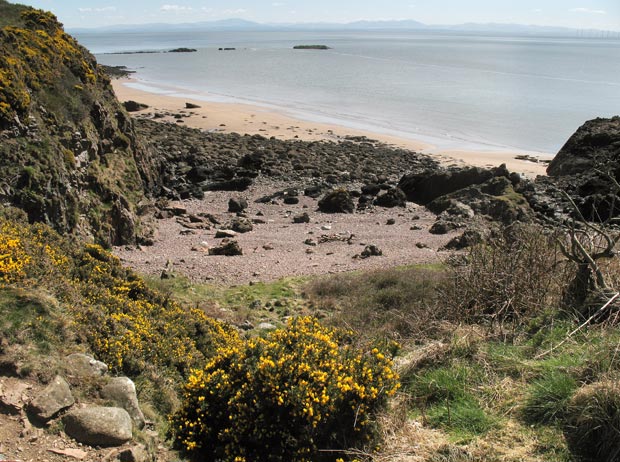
(276, 247)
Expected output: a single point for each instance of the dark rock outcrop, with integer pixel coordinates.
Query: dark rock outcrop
(496, 199)
(596, 144)
(394, 197)
(337, 201)
(134, 106)
(427, 185)
(587, 168)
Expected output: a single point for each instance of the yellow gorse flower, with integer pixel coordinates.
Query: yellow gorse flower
(305, 383)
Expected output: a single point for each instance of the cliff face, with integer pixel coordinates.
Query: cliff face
(69, 155)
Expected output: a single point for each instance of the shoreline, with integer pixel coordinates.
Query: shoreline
(242, 118)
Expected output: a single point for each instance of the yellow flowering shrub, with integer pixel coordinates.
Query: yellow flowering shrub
(13, 257)
(29, 252)
(30, 60)
(127, 325)
(303, 393)
(136, 326)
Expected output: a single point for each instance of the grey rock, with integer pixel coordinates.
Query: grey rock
(241, 225)
(225, 233)
(303, 218)
(237, 204)
(228, 249)
(371, 250)
(442, 227)
(99, 426)
(137, 453)
(55, 398)
(83, 365)
(122, 391)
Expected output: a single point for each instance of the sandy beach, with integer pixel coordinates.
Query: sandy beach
(250, 119)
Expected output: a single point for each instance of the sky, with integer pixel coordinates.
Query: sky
(581, 14)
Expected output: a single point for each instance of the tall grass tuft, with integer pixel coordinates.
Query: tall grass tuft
(548, 398)
(592, 427)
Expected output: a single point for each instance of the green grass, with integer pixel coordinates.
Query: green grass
(395, 302)
(462, 418)
(262, 301)
(548, 398)
(32, 317)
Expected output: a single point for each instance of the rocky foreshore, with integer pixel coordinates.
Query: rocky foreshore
(314, 207)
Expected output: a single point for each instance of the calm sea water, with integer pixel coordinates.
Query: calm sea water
(454, 91)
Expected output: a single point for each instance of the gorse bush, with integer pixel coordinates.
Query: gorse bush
(303, 393)
(126, 324)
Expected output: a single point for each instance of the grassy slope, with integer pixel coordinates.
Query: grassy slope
(479, 392)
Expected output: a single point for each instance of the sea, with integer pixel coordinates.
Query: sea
(455, 91)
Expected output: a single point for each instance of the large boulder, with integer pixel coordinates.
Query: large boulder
(122, 391)
(394, 197)
(99, 426)
(83, 365)
(496, 199)
(337, 201)
(55, 398)
(596, 144)
(427, 185)
(588, 169)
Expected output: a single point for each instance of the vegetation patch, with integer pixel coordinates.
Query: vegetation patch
(303, 393)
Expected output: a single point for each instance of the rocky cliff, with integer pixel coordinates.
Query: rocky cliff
(69, 155)
(588, 168)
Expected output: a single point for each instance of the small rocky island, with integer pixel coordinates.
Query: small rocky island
(183, 50)
(311, 47)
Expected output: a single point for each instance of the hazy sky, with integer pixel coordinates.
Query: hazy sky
(599, 14)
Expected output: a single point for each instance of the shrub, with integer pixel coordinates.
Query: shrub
(592, 427)
(548, 398)
(301, 394)
(510, 278)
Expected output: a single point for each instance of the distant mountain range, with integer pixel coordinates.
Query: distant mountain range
(400, 25)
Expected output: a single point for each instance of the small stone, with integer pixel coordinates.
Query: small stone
(371, 250)
(225, 233)
(303, 218)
